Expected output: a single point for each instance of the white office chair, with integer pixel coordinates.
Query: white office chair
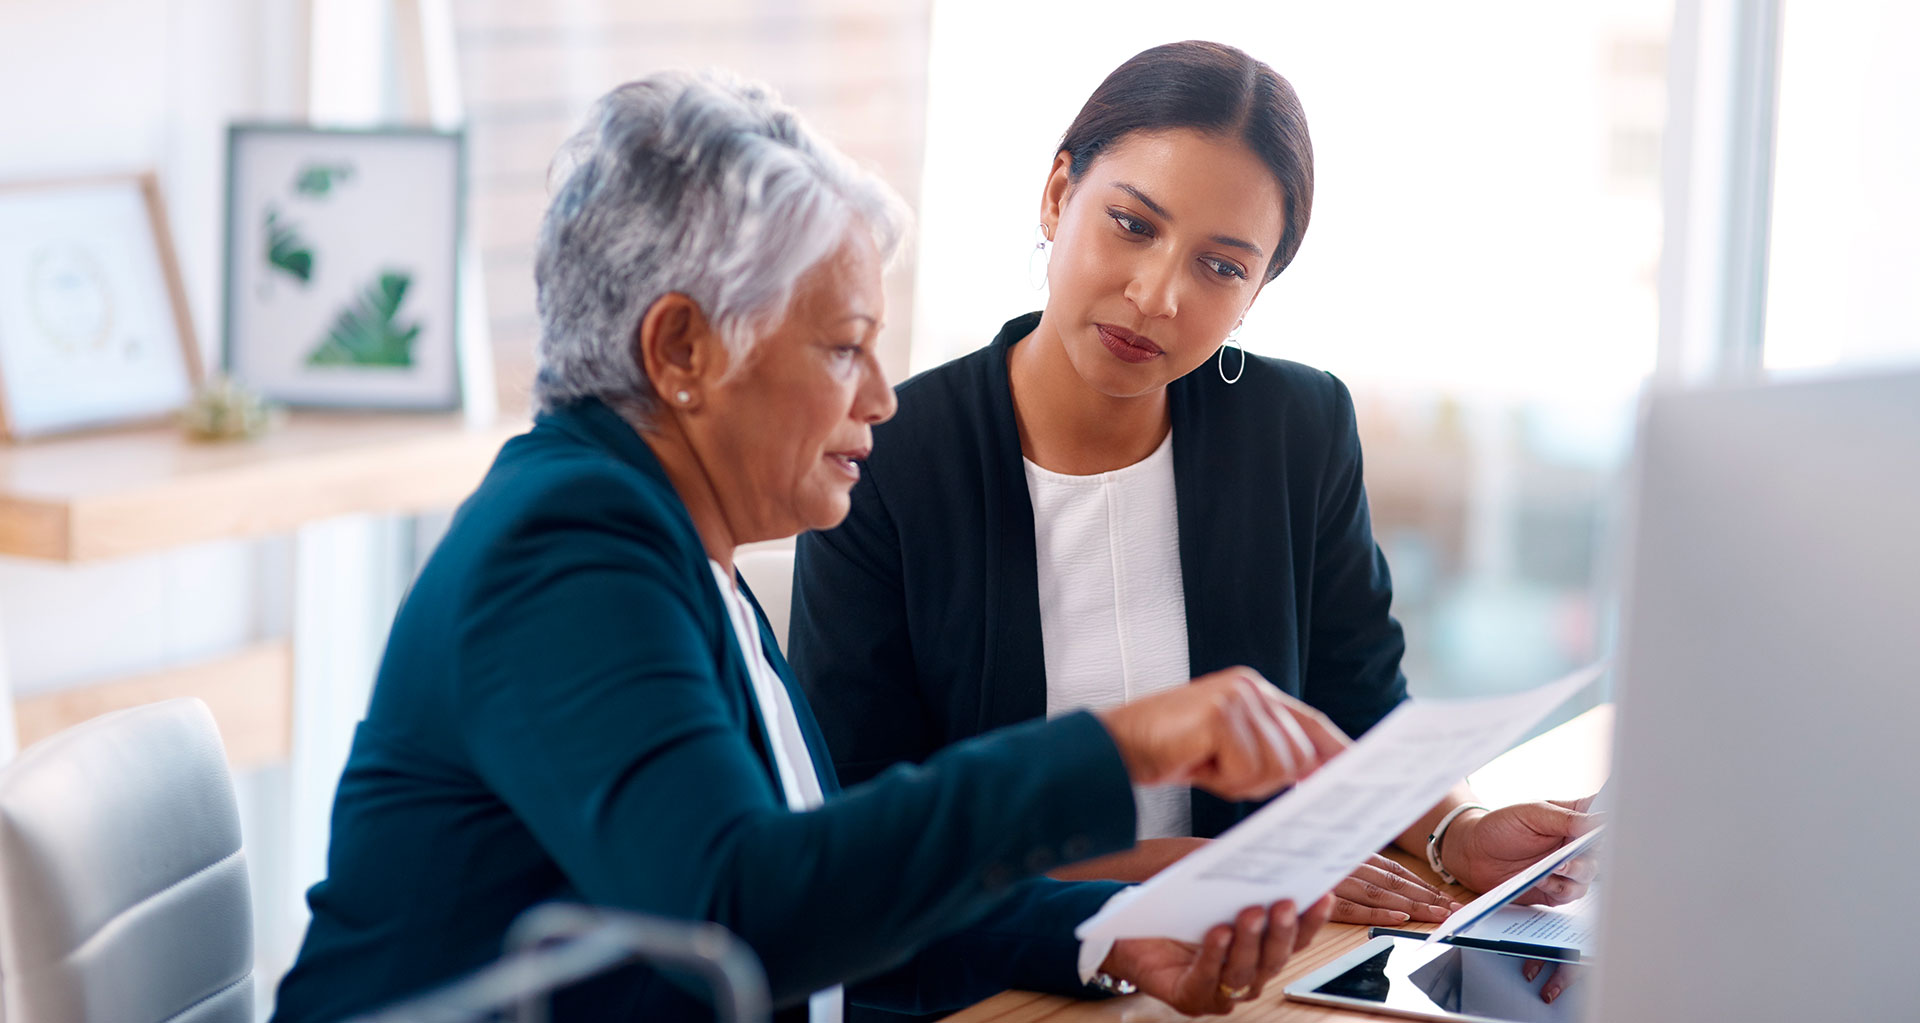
(123, 887)
(769, 573)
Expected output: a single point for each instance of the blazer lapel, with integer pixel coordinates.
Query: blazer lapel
(592, 421)
(1232, 518)
(742, 684)
(817, 751)
(1230, 496)
(1013, 684)
(1204, 540)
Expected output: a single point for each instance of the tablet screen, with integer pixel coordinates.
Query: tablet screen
(1442, 981)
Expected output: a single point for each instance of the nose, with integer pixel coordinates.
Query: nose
(875, 402)
(1152, 287)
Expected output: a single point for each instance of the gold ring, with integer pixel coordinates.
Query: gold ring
(1236, 993)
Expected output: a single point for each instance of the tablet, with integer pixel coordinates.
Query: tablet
(1438, 981)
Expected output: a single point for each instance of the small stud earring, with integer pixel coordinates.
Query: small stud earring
(682, 397)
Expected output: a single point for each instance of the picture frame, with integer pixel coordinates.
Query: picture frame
(94, 325)
(343, 267)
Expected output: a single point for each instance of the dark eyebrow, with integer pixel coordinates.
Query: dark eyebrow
(1144, 199)
(1222, 239)
(1239, 243)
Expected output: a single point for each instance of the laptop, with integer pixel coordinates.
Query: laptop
(1761, 861)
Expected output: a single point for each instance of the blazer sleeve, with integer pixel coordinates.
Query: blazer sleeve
(850, 647)
(591, 705)
(1353, 654)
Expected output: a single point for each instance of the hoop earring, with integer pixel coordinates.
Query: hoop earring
(1039, 258)
(1235, 343)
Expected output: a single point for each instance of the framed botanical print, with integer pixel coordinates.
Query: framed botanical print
(94, 328)
(342, 265)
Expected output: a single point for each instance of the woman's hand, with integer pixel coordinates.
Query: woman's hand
(1231, 965)
(1231, 733)
(1484, 849)
(1383, 892)
(1562, 978)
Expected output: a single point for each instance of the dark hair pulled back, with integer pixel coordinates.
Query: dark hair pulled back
(1213, 88)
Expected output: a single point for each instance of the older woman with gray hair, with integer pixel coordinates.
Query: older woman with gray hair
(581, 700)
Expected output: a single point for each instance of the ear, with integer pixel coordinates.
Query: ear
(1054, 196)
(678, 349)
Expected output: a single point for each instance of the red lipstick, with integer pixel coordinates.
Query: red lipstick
(1126, 345)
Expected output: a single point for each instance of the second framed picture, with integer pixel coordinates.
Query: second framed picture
(342, 265)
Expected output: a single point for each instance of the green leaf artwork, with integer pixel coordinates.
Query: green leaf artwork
(286, 250)
(317, 179)
(367, 331)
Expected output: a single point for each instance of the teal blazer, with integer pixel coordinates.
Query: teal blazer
(562, 712)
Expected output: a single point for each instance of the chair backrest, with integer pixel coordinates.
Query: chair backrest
(123, 887)
(769, 573)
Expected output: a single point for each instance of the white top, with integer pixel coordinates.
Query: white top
(790, 758)
(1113, 616)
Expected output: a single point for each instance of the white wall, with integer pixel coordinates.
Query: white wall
(113, 85)
(104, 86)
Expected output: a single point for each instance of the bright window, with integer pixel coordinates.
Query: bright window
(1480, 268)
(1844, 278)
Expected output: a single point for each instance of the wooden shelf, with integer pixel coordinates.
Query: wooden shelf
(127, 492)
(250, 693)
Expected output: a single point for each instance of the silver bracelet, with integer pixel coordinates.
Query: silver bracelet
(1107, 983)
(1440, 833)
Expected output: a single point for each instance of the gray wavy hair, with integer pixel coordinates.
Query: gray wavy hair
(697, 183)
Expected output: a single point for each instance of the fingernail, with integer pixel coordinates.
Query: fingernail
(1454, 905)
(1551, 993)
(1402, 917)
(1530, 971)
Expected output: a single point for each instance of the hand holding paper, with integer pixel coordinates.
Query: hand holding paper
(1495, 917)
(1510, 889)
(1303, 843)
(1233, 964)
(1485, 850)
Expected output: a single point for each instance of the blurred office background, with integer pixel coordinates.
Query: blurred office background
(1525, 213)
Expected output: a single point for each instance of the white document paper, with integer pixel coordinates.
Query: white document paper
(1301, 844)
(1513, 887)
(1569, 926)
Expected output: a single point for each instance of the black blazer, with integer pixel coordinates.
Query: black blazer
(563, 712)
(916, 623)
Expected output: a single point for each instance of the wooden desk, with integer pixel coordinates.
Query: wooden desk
(1569, 760)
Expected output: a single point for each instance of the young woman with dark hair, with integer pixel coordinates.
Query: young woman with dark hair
(1107, 500)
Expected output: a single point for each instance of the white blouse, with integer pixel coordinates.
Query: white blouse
(798, 780)
(1113, 615)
